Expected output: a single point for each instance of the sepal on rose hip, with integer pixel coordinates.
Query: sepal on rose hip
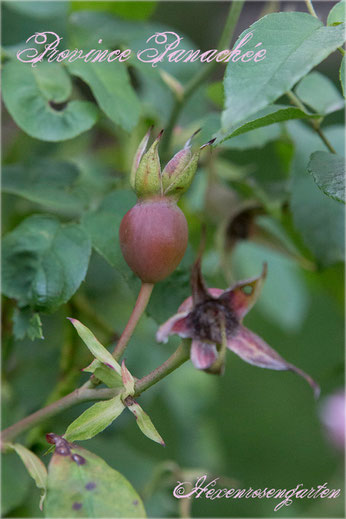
(177, 164)
(180, 170)
(146, 177)
(139, 154)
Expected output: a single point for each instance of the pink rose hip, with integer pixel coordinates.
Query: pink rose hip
(153, 238)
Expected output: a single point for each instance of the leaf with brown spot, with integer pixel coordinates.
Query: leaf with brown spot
(90, 489)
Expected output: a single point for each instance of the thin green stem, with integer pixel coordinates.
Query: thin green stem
(313, 122)
(324, 138)
(140, 306)
(204, 73)
(295, 100)
(88, 392)
(313, 13)
(311, 8)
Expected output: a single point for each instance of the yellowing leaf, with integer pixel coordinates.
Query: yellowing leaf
(81, 484)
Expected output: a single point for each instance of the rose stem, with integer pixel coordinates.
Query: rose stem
(315, 125)
(85, 394)
(312, 11)
(138, 309)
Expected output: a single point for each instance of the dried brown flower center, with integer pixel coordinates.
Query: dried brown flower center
(206, 319)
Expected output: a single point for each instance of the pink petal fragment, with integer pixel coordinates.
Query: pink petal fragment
(203, 354)
(251, 348)
(175, 325)
(333, 416)
(243, 295)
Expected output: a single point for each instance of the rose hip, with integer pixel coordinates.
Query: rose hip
(153, 238)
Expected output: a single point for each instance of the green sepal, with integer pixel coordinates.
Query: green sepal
(104, 373)
(95, 346)
(128, 381)
(148, 175)
(183, 180)
(95, 419)
(144, 423)
(138, 156)
(175, 167)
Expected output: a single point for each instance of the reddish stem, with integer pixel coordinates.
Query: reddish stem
(140, 306)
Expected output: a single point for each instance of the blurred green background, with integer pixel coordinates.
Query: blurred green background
(250, 427)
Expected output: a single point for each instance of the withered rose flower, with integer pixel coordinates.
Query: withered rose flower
(212, 318)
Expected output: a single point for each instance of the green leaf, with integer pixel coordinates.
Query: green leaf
(337, 14)
(104, 373)
(131, 11)
(145, 424)
(30, 95)
(328, 171)
(319, 219)
(111, 87)
(44, 262)
(269, 115)
(254, 139)
(37, 9)
(27, 323)
(342, 75)
(294, 43)
(320, 93)
(46, 182)
(91, 489)
(215, 93)
(103, 224)
(54, 83)
(95, 419)
(94, 346)
(34, 466)
(131, 34)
